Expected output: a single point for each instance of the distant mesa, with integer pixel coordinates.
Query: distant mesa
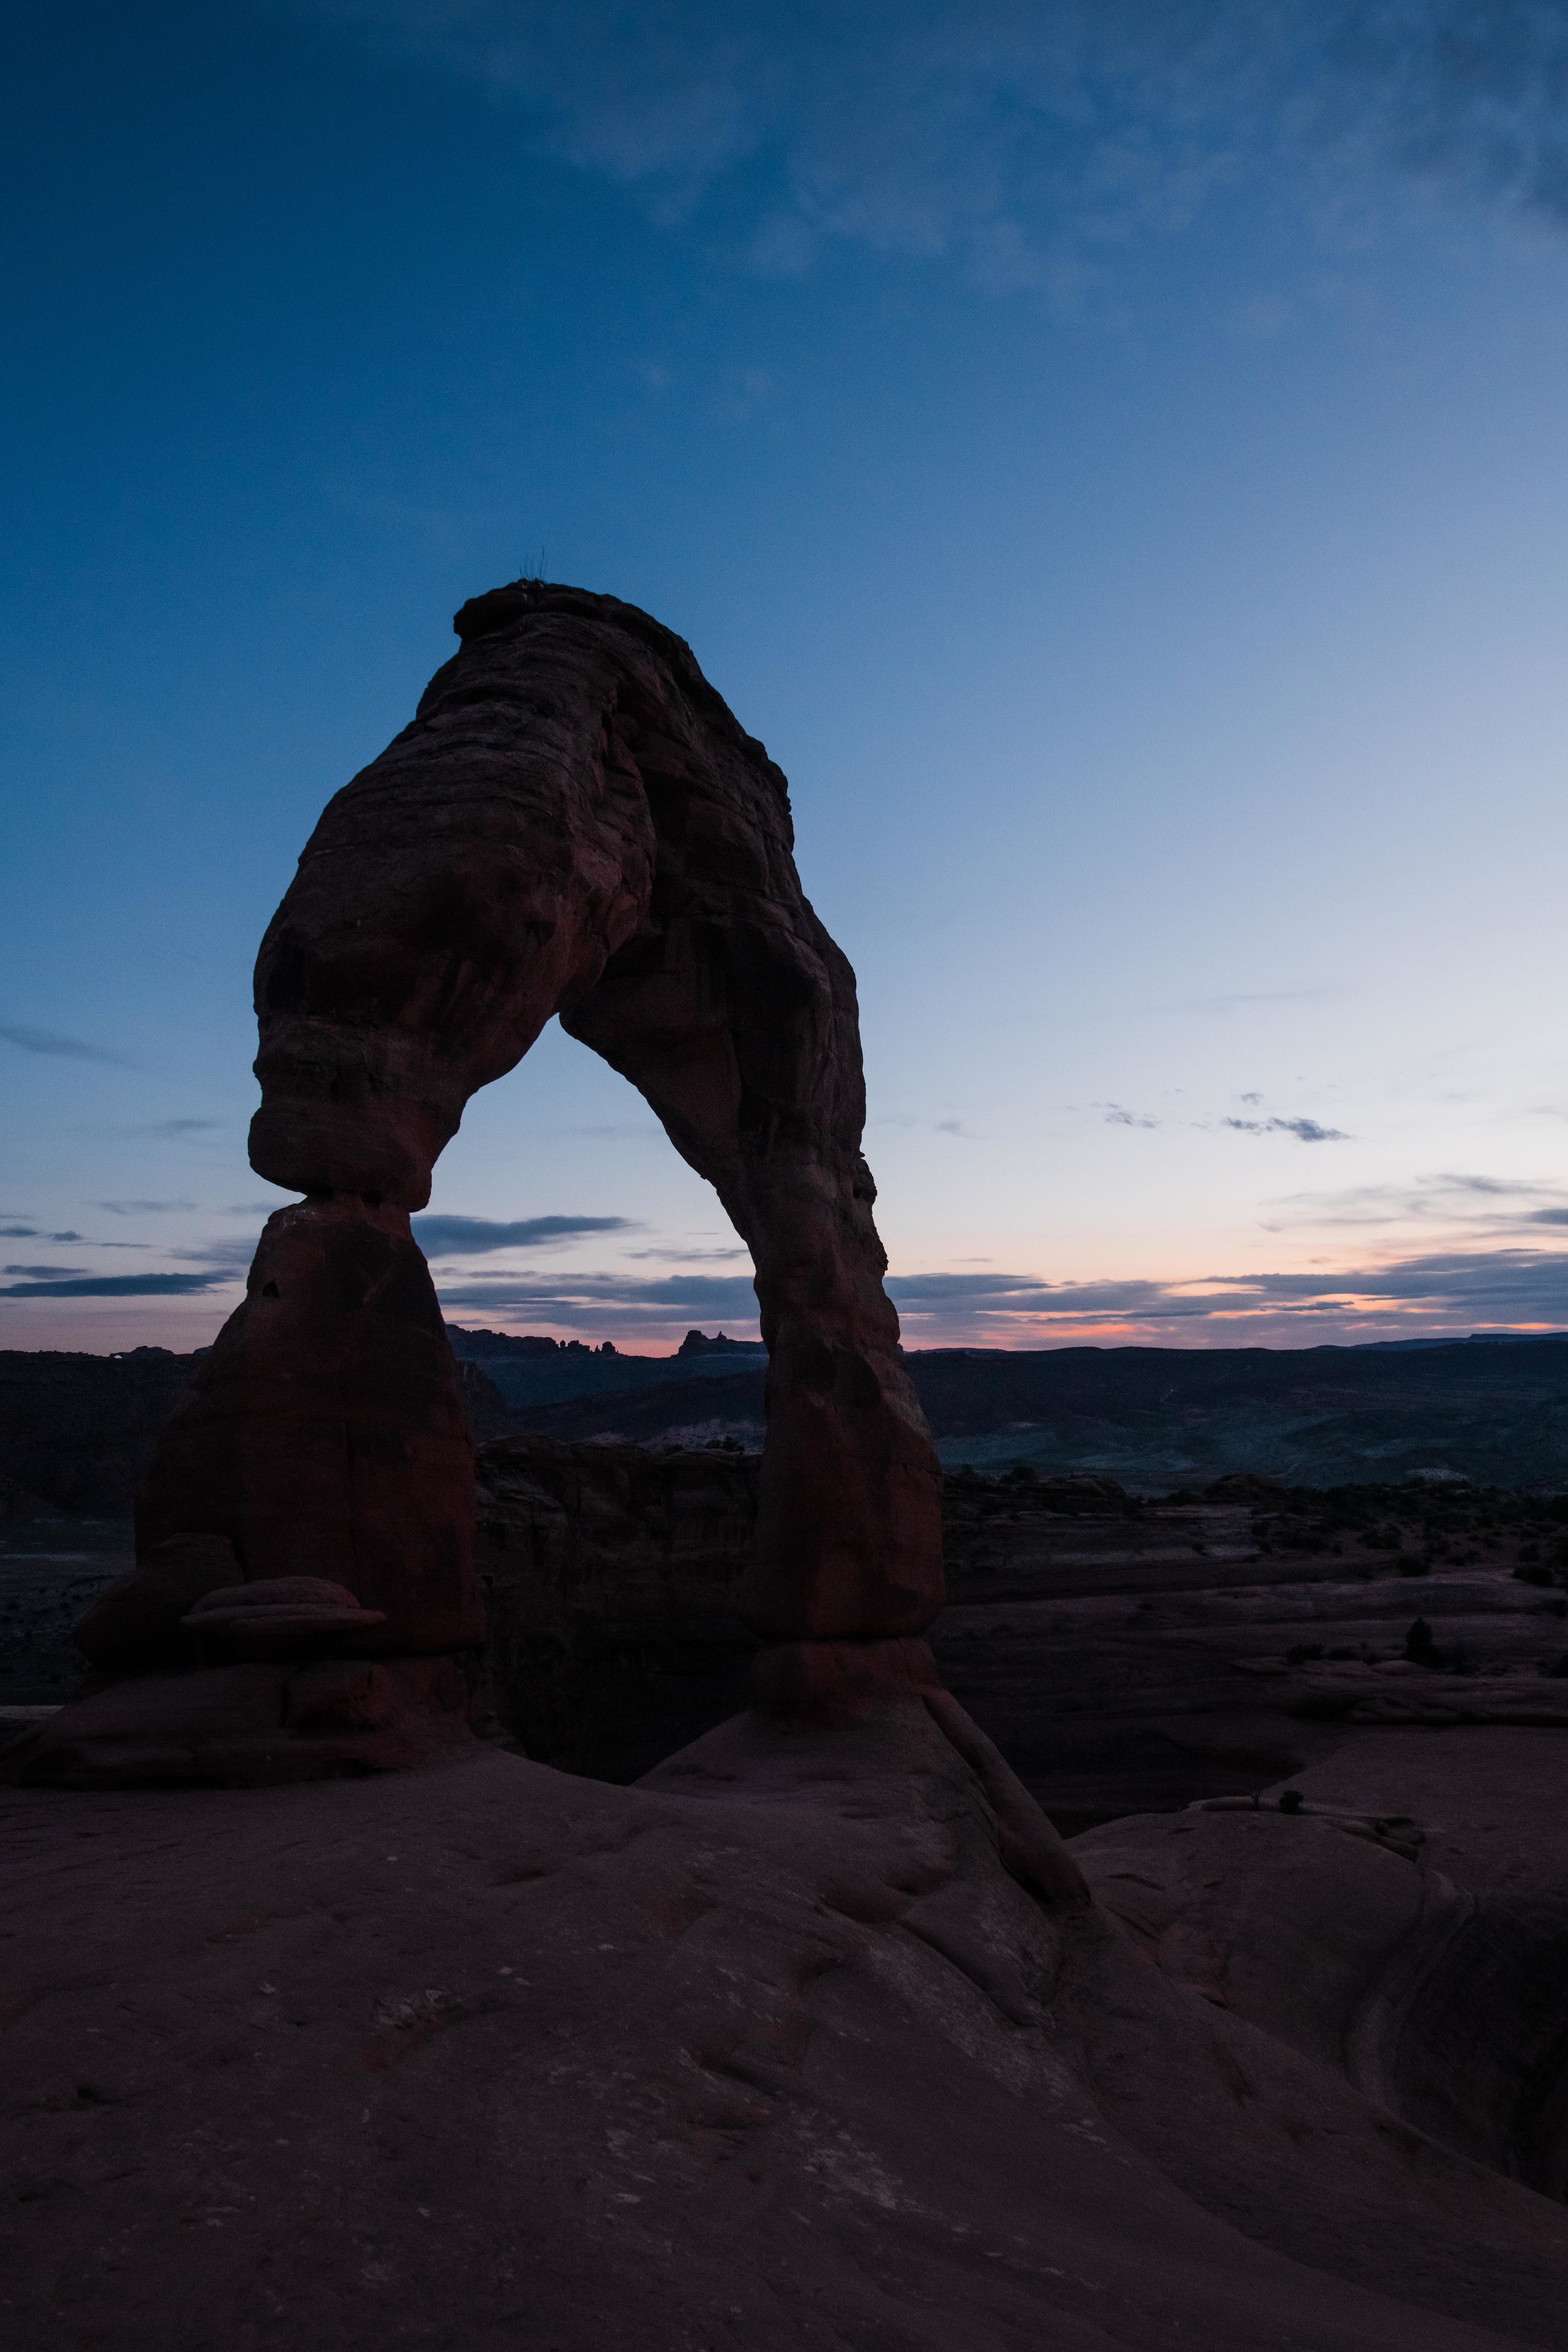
(475, 1344)
(697, 1343)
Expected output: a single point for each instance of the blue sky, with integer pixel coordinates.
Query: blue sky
(1116, 456)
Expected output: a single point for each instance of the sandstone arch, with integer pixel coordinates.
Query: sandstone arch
(573, 822)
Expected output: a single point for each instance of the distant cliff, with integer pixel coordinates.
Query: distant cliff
(1158, 1419)
(77, 1432)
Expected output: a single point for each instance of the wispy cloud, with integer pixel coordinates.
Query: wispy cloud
(1305, 1130)
(115, 1285)
(1229, 1001)
(144, 1208)
(47, 1042)
(443, 1237)
(229, 1258)
(572, 1298)
(1461, 1204)
(1437, 1290)
(689, 1258)
(1025, 140)
(1507, 1287)
(910, 1119)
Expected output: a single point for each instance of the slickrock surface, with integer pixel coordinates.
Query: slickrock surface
(769, 2052)
(1407, 1921)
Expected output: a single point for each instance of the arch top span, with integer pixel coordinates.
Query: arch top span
(572, 823)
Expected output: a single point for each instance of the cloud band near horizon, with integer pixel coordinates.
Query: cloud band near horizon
(1519, 1285)
(1524, 1286)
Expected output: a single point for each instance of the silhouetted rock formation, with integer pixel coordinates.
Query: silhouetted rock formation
(78, 1433)
(573, 824)
(697, 1343)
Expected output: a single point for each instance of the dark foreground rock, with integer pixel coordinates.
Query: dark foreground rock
(772, 2051)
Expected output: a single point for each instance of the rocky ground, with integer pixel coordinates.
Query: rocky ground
(803, 2042)
(803, 2039)
(51, 1570)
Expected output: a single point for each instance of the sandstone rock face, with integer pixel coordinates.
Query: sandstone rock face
(325, 1434)
(810, 2040)
(137, 1625)
(573, 824)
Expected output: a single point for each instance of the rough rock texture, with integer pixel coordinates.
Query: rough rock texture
(808, 2041)
(573, 824)
(325, 1433)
